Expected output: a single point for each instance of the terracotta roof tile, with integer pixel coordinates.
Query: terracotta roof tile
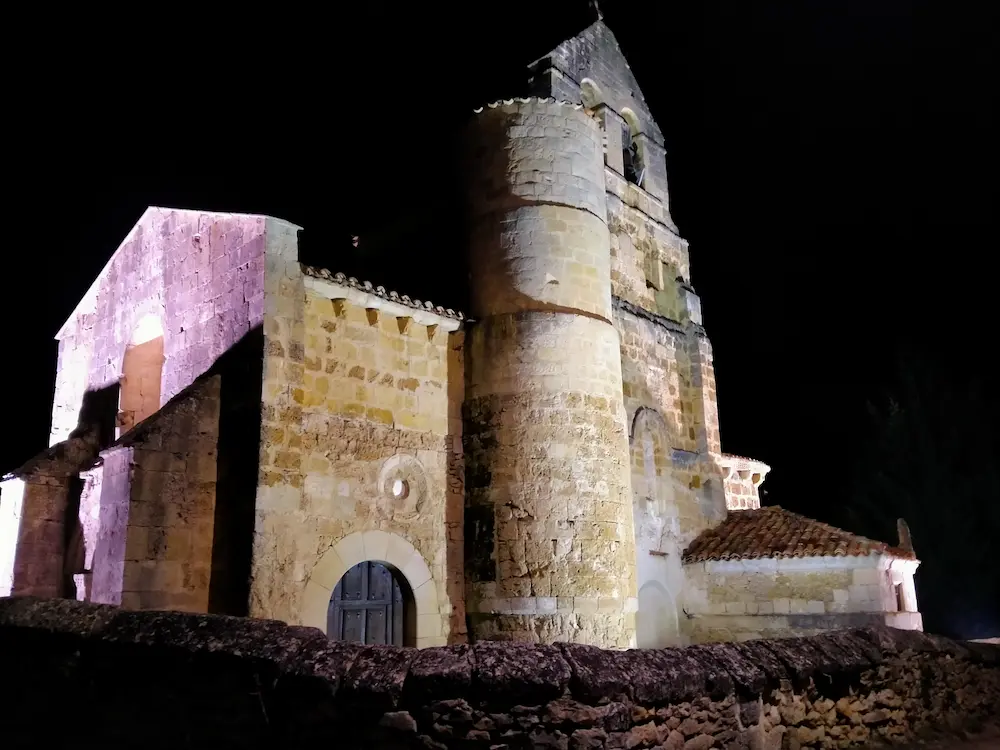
(367, 286)
(775, 532)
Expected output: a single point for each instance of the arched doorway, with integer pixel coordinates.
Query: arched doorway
(142, 371)
(422, 606)
(372, 604)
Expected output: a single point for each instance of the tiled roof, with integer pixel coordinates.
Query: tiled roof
(772, 531)
(379, 291)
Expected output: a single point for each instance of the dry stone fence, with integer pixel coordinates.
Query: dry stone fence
(81, 674)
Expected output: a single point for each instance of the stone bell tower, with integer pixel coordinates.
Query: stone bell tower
(550, 551)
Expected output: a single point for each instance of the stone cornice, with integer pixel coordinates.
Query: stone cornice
(671, 325)
(365, 294)
(735, 464)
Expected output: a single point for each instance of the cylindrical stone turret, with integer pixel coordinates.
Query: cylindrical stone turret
(550, 551)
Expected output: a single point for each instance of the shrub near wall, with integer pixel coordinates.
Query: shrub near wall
(91, 675)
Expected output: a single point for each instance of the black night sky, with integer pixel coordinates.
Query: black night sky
(832, 165)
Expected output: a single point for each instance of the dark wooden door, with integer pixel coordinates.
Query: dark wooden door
(367, 607)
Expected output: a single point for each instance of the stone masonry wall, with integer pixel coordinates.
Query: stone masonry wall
(82, 548)
(549, 532)
(37, 503)
(357, 399)
(107, 569)
(590, 68)
(770, 598)
(150, 545)
(741, 492)
(171, 513)
(646, 255)
(665, 394)
(656, 374)
(200, 274)
(167, 680)
(34, 512)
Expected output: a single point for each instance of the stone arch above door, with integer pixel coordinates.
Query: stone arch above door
(384, 547)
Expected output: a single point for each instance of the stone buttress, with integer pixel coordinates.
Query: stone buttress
(549, 530)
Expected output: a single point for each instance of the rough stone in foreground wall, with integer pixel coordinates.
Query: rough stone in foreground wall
(550, 549)
(166, 679)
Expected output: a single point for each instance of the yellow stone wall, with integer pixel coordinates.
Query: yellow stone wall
(549, 511)
(170, 505)
(646, 255)
(656, 374)
(354, 399)
(781, 598)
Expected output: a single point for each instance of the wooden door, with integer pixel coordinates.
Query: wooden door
(367, 607)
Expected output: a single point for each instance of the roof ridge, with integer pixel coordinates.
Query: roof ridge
(828, 526)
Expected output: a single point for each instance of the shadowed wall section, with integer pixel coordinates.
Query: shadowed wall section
(168, 680)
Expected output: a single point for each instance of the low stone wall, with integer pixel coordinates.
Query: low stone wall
(81, 673)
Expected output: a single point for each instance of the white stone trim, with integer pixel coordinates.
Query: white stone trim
(11, 507)
(906, 567)
(741, 463)
(371, 301)
(790, 564)
(376, 546)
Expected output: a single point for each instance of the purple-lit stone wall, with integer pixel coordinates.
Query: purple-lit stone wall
(109, 551)
(199, 274)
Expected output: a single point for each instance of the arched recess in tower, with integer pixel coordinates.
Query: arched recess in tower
(632, 155)
(142, 372)
(550, 550)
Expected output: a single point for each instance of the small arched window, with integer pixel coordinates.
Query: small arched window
(635, 170)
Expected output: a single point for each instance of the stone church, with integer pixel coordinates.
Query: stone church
(236, 432)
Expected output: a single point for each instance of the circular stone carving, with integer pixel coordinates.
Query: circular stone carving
(402, 485)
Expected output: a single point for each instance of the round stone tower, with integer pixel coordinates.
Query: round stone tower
(550, 550)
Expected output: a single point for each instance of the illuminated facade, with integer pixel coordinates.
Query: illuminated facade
(235, 432)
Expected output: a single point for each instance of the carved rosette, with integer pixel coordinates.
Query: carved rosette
(402, 486)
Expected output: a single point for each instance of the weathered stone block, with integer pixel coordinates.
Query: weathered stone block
(596, 672)
(522, 673)
(747, 678)
(661, 676)
(444, 672)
